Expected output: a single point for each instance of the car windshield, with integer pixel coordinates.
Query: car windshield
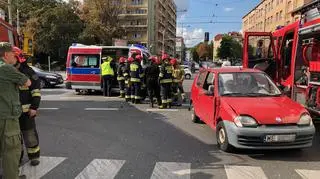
(246, 84)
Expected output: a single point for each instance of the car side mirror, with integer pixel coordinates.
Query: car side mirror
(210, 91)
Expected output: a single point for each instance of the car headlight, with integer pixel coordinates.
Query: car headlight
(305, 120)
(245, 121)
(51, 77)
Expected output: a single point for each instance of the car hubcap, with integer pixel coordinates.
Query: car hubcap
(222, 136)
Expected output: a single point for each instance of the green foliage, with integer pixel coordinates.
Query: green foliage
(229, 49)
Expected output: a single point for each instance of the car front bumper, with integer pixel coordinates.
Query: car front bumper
(254, 138)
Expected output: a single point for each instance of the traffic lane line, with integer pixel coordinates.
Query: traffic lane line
(101, 169)
(171, 170)
(46, 164)
(161, 110)
(101, 109)
(244, 172)
(49, 108)
(309, 174)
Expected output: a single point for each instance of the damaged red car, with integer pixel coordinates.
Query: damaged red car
(247, 110)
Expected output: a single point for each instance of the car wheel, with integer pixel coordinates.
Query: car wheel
(42, 83)
(188, 76)
(222, 138)
(194, 116)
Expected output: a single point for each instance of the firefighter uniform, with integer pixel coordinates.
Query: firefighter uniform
(120, 76)
(178, 77)
(30, 100)
(126, 75)
(152, 75)
(10, 138)
(136, 74)
(165, 78)
(107, 73)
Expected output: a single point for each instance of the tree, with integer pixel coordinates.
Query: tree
(53, 32)
(101, 21)
(203, 50)
(229, 49)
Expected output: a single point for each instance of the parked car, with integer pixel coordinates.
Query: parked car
(48, 79)
(187, 72)
(247, 110)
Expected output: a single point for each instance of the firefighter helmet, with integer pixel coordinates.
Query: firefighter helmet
(122, 60)
(19, 54)
(173, 61)
(130, 59)
(165, 57)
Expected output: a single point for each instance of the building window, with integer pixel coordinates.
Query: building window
(136, 2)
(280, 15)
(136, 36)
(289, 6)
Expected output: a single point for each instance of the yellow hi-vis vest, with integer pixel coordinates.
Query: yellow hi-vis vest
(106, 69)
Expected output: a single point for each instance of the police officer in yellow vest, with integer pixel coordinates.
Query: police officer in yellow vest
(107, 73)
(10, 106)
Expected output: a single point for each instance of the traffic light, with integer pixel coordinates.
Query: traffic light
(206, 36)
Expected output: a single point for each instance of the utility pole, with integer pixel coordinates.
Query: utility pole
(9, 11)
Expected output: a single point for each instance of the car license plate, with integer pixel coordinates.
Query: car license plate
(279, 138)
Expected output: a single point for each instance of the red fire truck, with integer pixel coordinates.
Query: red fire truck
(291, 56)
(8, 33)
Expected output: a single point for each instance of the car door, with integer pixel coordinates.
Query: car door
(207, 99)
(196, 89)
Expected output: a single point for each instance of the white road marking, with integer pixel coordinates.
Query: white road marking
(162, 110)
(171, 170)
(46, 165)
(309, 174)
(101, 169)
(101, 109)
(48, 108)
(244, 172)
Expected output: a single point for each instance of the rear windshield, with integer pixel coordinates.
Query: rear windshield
(85, 61)
(115, 53)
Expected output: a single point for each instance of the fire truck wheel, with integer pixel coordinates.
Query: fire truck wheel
(222, 138)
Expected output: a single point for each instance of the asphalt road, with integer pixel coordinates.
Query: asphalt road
(91, 137)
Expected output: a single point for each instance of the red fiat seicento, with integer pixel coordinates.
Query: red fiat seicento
(248, 111)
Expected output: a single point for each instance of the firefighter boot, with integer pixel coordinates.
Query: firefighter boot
(163, 106)
(35, 162)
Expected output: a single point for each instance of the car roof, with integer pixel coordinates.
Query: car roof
(231, 69)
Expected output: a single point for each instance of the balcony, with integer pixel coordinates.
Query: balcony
(161, 22)
(135, 25)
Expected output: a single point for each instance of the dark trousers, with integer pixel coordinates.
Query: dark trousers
(107, 85)
(135, 91)
(166, 93)
(122, 88)
(30, 136)
(153, 90)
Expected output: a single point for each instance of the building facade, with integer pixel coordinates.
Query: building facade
(151, 23)
(180, 48)
(269, 14)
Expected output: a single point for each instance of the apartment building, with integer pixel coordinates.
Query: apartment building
(151, 23)
(269, 14)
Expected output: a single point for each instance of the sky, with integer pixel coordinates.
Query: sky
(195, 22)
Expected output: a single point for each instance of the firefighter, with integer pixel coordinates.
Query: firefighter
(126, 74)
(120, 76)
(165, 78)
(107, 72)
(136, 75)
(30, 100)
(152, 75)
(178, 77)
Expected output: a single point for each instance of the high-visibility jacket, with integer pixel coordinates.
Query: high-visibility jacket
(30, 97)
(178, 74)
(136, 72)
(165, 75)
(106, 68)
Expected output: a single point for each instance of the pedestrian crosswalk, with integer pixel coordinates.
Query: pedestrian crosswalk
(109, 169)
